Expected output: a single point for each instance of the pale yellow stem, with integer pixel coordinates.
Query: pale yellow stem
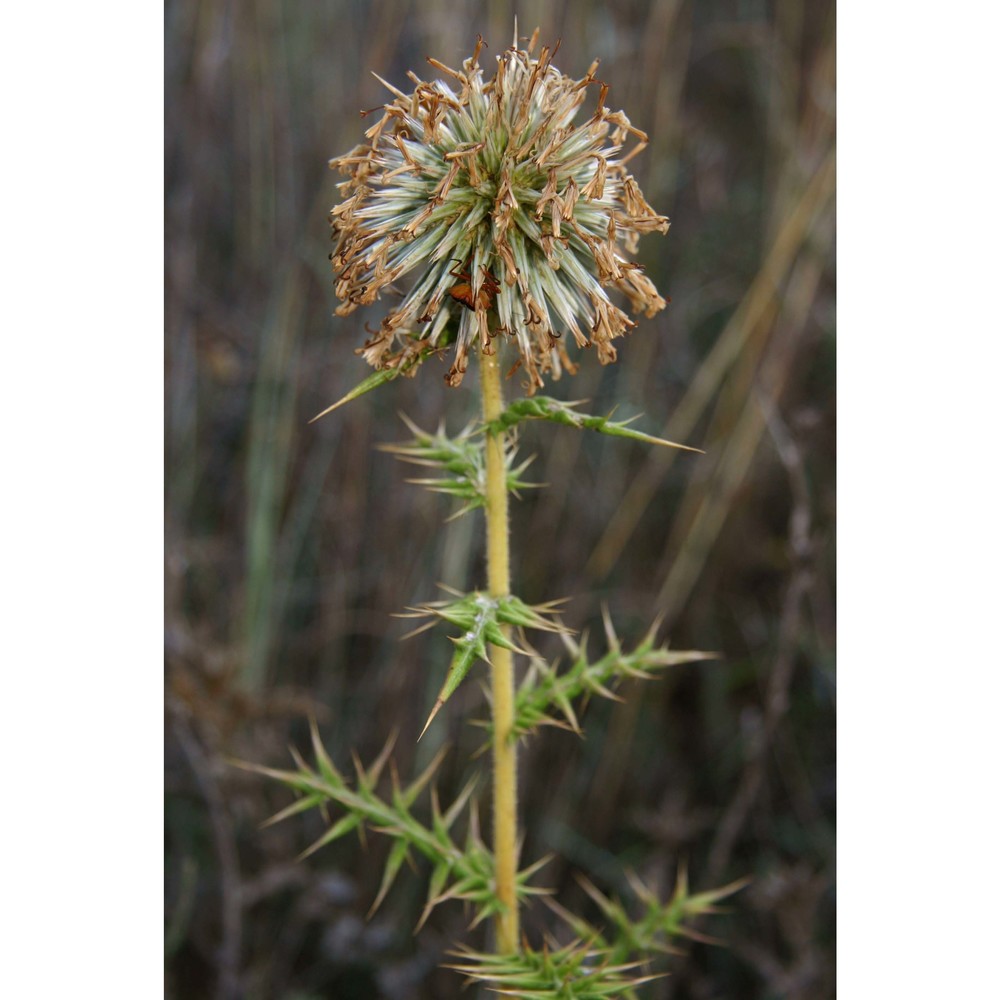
(502, 670)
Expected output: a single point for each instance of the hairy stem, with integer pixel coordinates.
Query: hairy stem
(502, 671)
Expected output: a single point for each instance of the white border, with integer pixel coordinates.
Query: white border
(82, 179)
(918, 499)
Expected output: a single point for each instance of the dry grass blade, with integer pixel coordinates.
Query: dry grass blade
(759, 298)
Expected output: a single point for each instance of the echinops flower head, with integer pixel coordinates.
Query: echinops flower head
(509, 217)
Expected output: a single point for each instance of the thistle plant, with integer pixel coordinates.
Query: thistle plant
(509, 215)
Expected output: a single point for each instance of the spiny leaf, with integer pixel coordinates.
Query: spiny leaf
(377, 379)
(339, 829)
(470, 647)
(305, 783)
(435, 888)
(544, 689)
(513, 611)
(526, 873)
(659, 923)
(300, 805)
(400, 852)
(415, 787)
(578, 971)
(481, 616)
(469, 869)
(374, 771)
(444, 822)
(326, 767)
(684, 906)
(461, 461)
(547, 408)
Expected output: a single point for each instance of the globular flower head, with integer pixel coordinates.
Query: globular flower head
(510, 218)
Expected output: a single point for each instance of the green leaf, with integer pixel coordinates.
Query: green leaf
(513, 611)
(547, 408)
(579, 971)
(339, 829)
(466, 872)
(300, 805)
(481, 618)
(435, 891)
(326, 767)
(400, 852)
(470, 646)
(545, 690)
(377, 379)
(461, 461)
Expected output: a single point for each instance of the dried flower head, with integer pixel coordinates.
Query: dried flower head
(513, 218)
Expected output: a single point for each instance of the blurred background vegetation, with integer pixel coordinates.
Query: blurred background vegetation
(290, 546)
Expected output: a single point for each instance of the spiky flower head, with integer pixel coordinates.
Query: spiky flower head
(512, 218)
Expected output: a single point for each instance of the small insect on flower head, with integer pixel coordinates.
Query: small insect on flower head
(510, 218)
(463, 292)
